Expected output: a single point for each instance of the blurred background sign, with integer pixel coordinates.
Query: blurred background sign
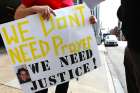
(92, 3)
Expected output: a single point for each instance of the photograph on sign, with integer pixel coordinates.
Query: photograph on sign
(23, 74)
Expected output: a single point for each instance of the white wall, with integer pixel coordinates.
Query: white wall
(108, 13)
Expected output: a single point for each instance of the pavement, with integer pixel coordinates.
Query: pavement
(100, 80)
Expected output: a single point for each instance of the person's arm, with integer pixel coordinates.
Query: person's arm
(121, 12)
(22, 11)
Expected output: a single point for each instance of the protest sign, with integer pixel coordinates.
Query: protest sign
(46, 53)
(92, 3)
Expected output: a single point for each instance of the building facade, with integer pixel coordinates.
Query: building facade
(96, 26)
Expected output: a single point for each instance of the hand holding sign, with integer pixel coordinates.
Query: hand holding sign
(45, 11)
(92, 19)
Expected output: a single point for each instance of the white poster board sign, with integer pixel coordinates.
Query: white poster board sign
(46, 53)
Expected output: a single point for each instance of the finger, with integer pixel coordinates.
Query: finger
(47, 12)
(43, 14)
(51, 11)
(48, 16)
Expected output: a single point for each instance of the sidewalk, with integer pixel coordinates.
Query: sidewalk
(97, 81)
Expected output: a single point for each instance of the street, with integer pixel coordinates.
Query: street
(116, 56)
